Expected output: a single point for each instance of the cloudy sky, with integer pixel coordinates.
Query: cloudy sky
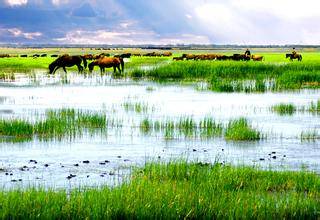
(160, 22)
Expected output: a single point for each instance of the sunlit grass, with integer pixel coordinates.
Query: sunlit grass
(284, 109)
(56, 125)
(178, 190)
(241, 130)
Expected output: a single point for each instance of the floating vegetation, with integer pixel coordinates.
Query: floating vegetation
(284, 109)
(57, 124)
(240, 130)
(177, 190)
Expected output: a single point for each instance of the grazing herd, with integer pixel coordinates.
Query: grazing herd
(101, 60)
(234, 57)
(105, 60)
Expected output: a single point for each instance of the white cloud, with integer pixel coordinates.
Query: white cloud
(131, 37)
(285, 9)
(16, 2)
(260, 22)
(59, 2)
(16, 32)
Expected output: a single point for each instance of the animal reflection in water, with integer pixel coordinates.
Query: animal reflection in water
(108, 62)
(67, 61)
(294, 56)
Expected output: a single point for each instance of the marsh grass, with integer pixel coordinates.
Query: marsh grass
(186, 127)
(314, 107)
(137, 107)
(309, 136)
(290, 109)
(284, 109)
(241, 130)
(178, 190)
(231, 76)
(57, 124)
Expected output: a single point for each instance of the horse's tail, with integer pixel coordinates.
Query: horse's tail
(85, 63)
(122, 64)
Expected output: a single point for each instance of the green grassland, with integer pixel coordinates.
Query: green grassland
(178, 190)
(275, 73)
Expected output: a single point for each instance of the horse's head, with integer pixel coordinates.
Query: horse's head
(52, 66)
(288, 55)
(91, 65)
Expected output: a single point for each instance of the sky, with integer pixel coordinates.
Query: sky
(260, 22)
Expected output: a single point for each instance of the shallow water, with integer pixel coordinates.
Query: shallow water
(127, 146)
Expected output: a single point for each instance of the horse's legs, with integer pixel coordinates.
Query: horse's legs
(114, 69)
(80, 68)
(64, 69)
(119, 69)
(55, 70)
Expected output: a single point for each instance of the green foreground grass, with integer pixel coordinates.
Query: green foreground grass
(178, 190)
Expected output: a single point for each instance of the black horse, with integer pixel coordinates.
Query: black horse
(67, 61)
(294, 56)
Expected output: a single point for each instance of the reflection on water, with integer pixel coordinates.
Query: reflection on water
(109, 157)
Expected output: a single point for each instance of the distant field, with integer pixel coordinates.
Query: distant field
(222, 76)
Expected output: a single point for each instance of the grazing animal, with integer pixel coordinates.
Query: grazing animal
(240, 57)
(212, 56)
(4, 55)
(190, 56)
(124, 55)
(294, 56)
(177, 58)
(167, 54)
(224, 57)
(67, 61)
(257, 57)
(108, 62)
(88, 56)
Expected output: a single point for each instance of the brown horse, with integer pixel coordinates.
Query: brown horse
(67, 61)
(108, 62)
(294, 56)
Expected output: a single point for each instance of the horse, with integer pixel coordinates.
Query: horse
(67, 61)
(294, 56)
(257, 57)
(108, 62)
(190, 56)
(177, 58)
(240, 57)
(167, 54)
